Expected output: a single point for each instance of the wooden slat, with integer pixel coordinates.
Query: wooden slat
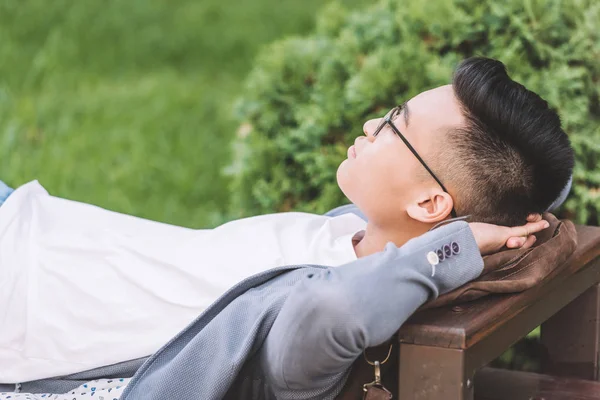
(571, 338)
(498, 384)
(433, 373)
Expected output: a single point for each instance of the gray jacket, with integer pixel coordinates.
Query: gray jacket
(293, 332)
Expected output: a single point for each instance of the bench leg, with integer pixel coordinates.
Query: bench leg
(433, 373)
(572, 338)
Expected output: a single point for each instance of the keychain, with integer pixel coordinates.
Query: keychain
(375, 390)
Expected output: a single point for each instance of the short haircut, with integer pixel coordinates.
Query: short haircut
(512, 157)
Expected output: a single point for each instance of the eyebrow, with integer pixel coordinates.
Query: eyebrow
(406, 113)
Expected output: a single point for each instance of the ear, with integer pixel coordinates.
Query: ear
(431, 208)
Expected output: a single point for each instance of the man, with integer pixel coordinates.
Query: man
(483, 147)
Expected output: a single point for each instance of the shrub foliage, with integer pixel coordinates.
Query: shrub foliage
(307, 97)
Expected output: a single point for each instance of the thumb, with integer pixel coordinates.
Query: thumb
(515, 242)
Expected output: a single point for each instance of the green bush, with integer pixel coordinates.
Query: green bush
(307, 97)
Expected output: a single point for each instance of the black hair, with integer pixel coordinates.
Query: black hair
(512, 156)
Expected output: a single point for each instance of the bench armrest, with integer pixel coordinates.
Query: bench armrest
(490, 325)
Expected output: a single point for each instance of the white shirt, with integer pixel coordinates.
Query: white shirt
(83, 287)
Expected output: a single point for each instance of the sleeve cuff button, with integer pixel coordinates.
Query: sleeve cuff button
(432, 258)
(447, 250)
(455, 248)
(440, 254)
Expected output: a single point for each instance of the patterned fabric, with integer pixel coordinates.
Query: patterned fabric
(64, 384)
(102, 389)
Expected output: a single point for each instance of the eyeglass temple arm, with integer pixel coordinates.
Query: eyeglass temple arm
(389, 122)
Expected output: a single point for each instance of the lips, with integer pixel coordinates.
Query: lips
(351, 152)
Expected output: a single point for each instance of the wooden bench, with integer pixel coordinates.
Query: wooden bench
(442, 352)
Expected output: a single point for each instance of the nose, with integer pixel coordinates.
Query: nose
(370, 126)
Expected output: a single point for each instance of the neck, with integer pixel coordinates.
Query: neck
(376, 237)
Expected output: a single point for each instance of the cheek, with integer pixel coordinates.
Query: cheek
(383, 198)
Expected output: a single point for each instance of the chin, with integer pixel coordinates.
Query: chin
(344, 180)
(341, 175)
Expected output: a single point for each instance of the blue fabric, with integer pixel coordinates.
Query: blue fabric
(5, 191)
(562, 196)
(347, 208)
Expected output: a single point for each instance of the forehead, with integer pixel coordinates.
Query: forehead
(432, 112)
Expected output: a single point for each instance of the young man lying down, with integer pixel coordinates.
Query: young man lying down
(82, 287)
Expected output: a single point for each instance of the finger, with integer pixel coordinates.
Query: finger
(515, 242)
(529, 228)
(521, 242)
(534, 217)
(529, 242)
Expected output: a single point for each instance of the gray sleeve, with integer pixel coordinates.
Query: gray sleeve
(333, 315)
(345, 209)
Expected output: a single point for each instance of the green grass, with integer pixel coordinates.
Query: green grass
(126, 103)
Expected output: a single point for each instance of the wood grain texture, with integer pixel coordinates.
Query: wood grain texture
(498, 384)
(572, 338)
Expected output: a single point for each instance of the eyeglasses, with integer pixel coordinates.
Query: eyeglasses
(388, 120)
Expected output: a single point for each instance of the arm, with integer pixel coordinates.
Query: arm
(333, 315)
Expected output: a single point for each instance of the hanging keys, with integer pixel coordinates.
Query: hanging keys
(375, 390)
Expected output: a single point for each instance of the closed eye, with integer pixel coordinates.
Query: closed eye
(393, 116)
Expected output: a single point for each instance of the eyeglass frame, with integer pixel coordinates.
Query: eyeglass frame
(388, 120)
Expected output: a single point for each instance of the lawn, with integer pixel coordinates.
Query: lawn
(127, 103)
